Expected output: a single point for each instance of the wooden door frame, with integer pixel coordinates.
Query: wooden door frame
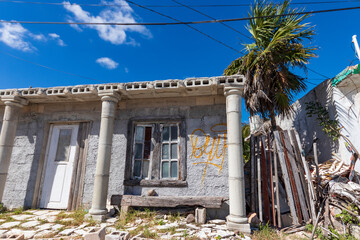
(78, 176)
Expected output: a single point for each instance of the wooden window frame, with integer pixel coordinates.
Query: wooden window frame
(154, 179)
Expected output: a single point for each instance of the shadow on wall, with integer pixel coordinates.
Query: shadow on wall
(34, 135)
(308, 127)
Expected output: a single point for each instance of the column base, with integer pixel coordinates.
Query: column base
(97, 218)
(238, 223)
(97, 214)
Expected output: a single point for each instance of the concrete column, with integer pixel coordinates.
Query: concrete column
(237, 219)
(13, 107)
(98, 209)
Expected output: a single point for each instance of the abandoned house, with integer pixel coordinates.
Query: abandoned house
(76, 146)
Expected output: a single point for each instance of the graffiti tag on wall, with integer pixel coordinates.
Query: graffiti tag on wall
(214, 147)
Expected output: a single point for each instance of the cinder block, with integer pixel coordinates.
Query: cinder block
(200, 215)
(96, 234)
(118, 235)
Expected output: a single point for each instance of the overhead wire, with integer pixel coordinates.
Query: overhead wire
(178, 22)
(171, 6)
(224, 24)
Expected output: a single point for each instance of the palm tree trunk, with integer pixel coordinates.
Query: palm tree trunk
(273, 119)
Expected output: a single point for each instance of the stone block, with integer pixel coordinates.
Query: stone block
(16, 237)
(95, 234)
(67, 232)
(10, 224)
(118, 235)
(190, 218)
(30, 224)
(200, 215)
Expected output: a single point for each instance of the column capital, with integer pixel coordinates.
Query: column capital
(14, 101)
(110, 96)
(231, 89)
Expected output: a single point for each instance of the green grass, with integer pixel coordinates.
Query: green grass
(266, 232)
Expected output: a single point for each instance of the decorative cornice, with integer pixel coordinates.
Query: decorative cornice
(134, 90)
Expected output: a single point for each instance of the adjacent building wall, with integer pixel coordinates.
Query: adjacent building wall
(339, 101)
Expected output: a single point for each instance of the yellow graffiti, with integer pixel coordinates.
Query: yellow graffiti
(211, 148)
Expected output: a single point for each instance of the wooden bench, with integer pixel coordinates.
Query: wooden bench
(127, 201)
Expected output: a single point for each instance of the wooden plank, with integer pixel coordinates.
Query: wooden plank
(277, 187)
(265, 185)
(286, 177)
(167, 201)
(253, 173)
(301, 169)
(308, 178)
(295, 172)
(317, 170)
(155, 183)
(291, 178)
(271, 180)
(259, 180)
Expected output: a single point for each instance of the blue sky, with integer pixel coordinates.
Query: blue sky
(118, 54)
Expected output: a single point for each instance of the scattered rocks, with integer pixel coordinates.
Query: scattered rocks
(118, 235)
(167, 226)
(190, 218)
(30, 224)
(67, 232)
(45, 226)
(21, 217)
(192, 226)
(10, 224)
(217, 221)
(151, 192)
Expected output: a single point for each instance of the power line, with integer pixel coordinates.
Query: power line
(178, 21)
(312, 70)
(224, 24)
(170, 6)
(205, 34)
(50, 68)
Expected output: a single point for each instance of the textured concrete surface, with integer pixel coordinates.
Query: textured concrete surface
(31, 132)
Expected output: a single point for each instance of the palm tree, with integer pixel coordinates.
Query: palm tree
(277, 48)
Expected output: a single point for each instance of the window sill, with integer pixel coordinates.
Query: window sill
(155, 183)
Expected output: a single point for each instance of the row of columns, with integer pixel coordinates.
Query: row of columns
(237, 218)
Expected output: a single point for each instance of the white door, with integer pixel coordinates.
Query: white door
(60, 156)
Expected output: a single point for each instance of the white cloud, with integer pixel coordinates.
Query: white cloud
(14, 35)
(126, 70)
(56, 37)
(114, 34)
(107, 63)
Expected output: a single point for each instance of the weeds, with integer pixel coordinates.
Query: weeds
(265, 232)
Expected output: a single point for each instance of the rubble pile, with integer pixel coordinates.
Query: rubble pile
(338, 199)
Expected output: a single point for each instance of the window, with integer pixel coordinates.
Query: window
(156, 151)
(169, 151)
(142, 151)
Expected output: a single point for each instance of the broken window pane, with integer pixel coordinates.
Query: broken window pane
(174, 133)
(147, 148)
(63, 147)
(137, 168)
(165, 151)
(174, 154)
(147, 133)
(138, 151)
(165, 134)
(145, 171)
(174, 169)
(165, 169)
(139, 134)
